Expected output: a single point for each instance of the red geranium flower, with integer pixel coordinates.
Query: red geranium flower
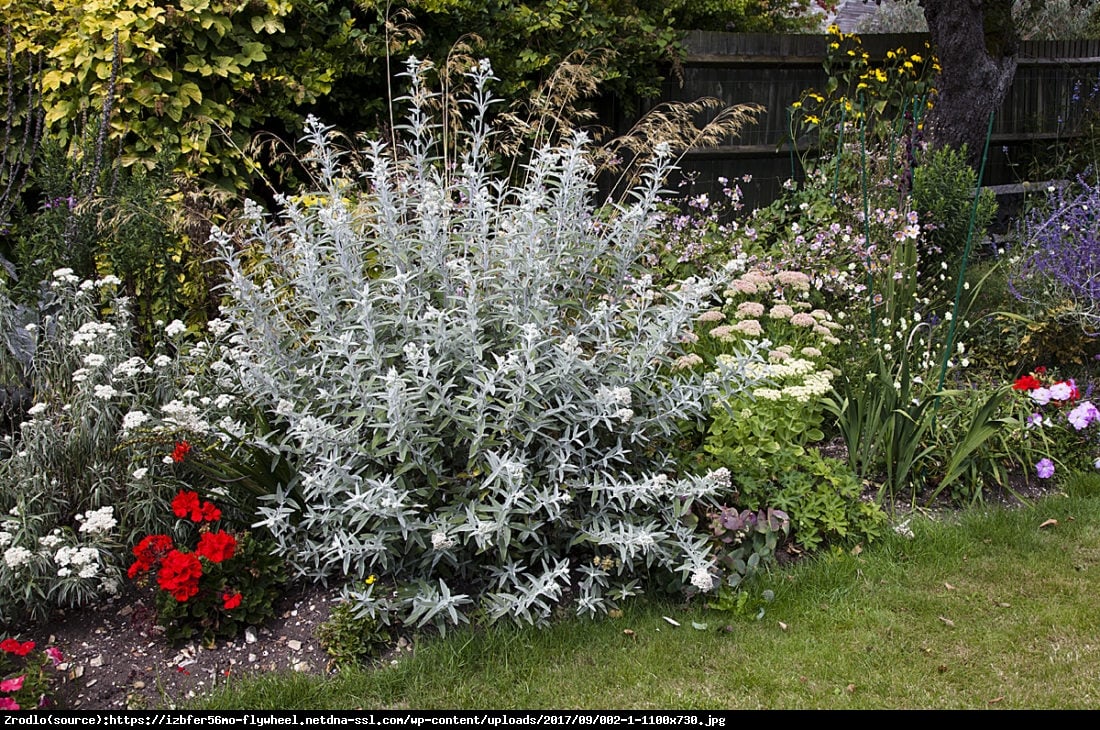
(210, 513)
(216, 546)
(180, 452)
(11, 646)
(186, 504)
(231, 601)
(179, 575)
(149, 552)
(1026, 382)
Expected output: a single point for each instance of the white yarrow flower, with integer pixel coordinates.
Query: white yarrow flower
(105, 392)
(99, 520)
(16, 557)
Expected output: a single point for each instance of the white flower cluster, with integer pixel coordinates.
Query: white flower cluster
(178, 415)
(98, 520)
(17, 556)
(90, 332)
(83, 560)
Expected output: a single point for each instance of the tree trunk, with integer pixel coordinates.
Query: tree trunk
(976, 43)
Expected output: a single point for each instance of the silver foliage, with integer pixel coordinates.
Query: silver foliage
(474, 374)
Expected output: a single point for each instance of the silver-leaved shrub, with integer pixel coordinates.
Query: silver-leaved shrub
(473, 373)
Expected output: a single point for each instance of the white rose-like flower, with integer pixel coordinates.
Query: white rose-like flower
(442, 541)
(702, 579)
(175, 328)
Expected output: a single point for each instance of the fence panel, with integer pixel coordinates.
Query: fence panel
(1055, 82)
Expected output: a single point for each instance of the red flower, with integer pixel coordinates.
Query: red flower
(216, 546)
(149, 552)
(180, 452)
(179, 575)
(210, 513)
(1040, 370)
(231, 601)
(1027, 382)
(186, 504)
(11, 646)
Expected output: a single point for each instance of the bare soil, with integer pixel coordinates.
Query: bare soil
(117, 658)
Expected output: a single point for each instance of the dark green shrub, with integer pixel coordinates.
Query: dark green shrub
(943, 193)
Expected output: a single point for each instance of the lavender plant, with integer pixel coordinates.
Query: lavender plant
(1056, 258)
(473, 376)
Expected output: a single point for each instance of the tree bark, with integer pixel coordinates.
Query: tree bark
(976, 43)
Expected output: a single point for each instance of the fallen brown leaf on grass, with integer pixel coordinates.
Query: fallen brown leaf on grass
(1048, 523)
(947, 621)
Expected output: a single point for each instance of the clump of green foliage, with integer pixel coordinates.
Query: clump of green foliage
(943, 192)
(352, 637)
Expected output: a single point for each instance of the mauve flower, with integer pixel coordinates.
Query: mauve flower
(1041, 396)
(1061, 391)
(1083, 415)
(1045, 468)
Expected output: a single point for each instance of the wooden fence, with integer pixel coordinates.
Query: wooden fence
(1055, 82)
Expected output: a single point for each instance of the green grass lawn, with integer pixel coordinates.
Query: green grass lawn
(987, 608)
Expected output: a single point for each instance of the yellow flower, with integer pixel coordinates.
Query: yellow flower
(851, 52)
(817, 97)
(916, 58)
(812, 119)
(880, 76)
(371, 579)
(891, 55)
(833, 29)
(796, 105)
(834, 46)
(908, 65)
